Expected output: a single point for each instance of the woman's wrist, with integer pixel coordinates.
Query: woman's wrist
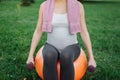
(91, 56)
(30, 54)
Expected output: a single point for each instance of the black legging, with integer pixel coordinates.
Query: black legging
(67, 57)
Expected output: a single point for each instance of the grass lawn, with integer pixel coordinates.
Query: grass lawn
(17, 25)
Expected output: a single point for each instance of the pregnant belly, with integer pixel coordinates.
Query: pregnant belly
(61, 38)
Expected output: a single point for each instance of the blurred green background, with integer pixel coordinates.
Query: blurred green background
(17, 24)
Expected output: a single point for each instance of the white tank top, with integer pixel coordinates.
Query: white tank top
(60, 36)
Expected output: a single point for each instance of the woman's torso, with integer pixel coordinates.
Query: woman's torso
(60, 36)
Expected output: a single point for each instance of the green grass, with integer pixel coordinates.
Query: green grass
(17, 25)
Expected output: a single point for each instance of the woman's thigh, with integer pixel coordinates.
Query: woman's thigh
(71, 51)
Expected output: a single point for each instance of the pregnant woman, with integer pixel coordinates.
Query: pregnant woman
(62, 20)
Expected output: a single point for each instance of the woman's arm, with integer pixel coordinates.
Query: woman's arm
(36, 36)
(85, 37)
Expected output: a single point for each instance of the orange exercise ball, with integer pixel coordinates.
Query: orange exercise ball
(80, 65)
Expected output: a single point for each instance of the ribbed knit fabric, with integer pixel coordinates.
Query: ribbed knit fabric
(73, 10)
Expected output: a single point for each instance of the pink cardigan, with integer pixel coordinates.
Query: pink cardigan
(73, 10)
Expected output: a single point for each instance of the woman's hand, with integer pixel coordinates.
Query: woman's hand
(30, 59)
(91, 65)
(92, 62)
(30, 62)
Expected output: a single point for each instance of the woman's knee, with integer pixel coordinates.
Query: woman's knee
(49, 53)
(66, 56)
(70, 53)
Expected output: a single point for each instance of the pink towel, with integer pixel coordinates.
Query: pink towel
(73, 11)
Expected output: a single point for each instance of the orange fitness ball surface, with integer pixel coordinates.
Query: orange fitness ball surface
(80, 65)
